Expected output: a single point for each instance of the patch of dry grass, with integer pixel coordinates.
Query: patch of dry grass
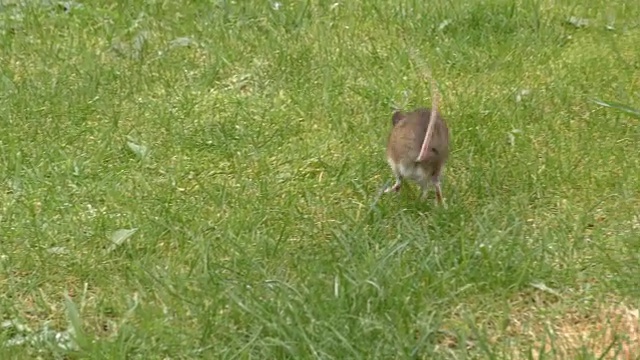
(608, 330)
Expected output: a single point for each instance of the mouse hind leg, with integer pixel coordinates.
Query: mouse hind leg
(396, 173)
(396, 186)
(439, 197)
(435, 180)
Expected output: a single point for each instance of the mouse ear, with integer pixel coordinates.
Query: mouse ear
(396, 117)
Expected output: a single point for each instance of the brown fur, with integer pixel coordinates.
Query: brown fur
(404, 145)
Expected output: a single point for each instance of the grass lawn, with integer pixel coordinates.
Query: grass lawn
(201, 179)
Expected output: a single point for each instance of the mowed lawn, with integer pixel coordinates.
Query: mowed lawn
(201, 179)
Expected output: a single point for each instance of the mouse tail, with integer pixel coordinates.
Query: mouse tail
(424, 150)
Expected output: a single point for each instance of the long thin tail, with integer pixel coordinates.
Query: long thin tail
(432, 119)
(434, 107)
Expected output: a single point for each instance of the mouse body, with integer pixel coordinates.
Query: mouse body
(405, 144)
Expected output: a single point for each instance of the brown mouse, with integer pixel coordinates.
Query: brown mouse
(412, 154)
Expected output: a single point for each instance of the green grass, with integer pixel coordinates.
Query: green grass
(259, 232)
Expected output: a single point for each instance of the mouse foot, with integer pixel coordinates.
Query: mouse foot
(394, 188)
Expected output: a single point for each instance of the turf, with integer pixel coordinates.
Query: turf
(183, 180)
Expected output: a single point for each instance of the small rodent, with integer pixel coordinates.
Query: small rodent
(413, 158)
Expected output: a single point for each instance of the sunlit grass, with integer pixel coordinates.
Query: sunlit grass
(242, 144)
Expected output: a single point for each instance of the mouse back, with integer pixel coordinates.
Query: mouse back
(408, 133)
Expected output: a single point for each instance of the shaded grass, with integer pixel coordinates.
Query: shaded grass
(256, 231)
